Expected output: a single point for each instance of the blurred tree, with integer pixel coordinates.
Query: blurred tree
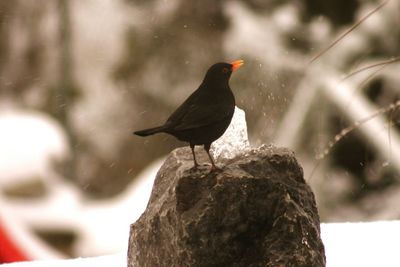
(35, 60)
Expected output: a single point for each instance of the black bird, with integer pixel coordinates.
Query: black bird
(205, 114)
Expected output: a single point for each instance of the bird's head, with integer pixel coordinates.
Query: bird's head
(221, 72)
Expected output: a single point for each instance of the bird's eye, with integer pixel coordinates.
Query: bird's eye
(225, 70)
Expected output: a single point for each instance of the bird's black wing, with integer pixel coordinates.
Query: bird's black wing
(196, 117)
(199, 109)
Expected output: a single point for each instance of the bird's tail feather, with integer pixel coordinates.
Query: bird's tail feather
(150, 131)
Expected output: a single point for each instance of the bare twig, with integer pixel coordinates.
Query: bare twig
(390, 119)
(354, 126)
(382, 63)
(369, 77)
(338, 137)
(353, 27)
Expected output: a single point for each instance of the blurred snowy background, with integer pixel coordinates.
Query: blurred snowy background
(77, 77)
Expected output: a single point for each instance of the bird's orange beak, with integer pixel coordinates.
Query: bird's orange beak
(237, 64)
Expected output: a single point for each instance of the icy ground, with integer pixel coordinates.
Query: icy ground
(362, 244)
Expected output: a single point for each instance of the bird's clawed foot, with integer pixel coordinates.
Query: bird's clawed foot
(195, 166)
(214, 168)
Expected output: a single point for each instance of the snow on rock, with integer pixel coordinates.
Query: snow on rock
(234, 140)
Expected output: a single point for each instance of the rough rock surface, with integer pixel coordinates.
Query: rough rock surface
(257, 211)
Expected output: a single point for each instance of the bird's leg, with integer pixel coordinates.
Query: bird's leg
(194, 156)
(207, 149)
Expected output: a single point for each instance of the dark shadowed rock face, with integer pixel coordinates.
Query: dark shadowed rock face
(258, 211)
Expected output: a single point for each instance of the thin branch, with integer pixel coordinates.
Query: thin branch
(363, 83)
(382, 63)
(353, 27)
(338, 137)
(390, 119)
(354, 126)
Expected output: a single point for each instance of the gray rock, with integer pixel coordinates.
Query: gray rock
(257, 211)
